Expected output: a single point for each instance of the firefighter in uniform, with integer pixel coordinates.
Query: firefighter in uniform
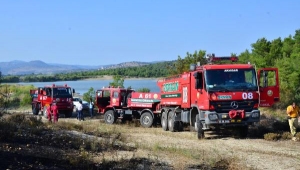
(49, 114)
(54, 112)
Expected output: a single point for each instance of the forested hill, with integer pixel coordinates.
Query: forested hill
(157, 69)
(18, 67)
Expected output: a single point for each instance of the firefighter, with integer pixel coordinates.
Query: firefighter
(49, 114)
(54, 112)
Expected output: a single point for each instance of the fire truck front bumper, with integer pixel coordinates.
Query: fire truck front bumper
(225, 119)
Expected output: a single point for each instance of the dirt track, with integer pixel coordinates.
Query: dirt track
(255, 153)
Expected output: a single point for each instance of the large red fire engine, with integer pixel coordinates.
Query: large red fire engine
(214, 96)
(44, 96)
(208, 97)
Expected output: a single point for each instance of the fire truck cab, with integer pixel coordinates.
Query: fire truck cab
(215, 96)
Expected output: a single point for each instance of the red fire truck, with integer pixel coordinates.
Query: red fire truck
(215, 96)
(44, 96)
(126, 104)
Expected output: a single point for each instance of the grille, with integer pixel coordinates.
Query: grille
(225, 106)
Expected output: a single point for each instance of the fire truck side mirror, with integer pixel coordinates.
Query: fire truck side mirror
(73, 90)
(199, 80)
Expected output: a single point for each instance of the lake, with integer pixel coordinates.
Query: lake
(82, 86)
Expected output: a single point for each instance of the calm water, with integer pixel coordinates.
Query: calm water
(82, 86)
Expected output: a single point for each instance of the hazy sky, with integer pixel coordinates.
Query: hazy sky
(86, 32)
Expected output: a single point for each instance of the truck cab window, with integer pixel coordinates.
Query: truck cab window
(99, 94)
(231, 79)
(48, 92)
(116, 94)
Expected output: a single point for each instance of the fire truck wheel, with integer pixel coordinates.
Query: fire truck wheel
(164, 121)
(200, 131)
(35, 109)
(110, 117)
(146, 119)
(171, 122)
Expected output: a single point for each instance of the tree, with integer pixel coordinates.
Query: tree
(145, 90)
(183, 64)
(89, 95)
(118, 81)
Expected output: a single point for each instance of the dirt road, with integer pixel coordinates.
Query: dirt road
(251, 153)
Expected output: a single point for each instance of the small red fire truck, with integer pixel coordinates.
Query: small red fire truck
(126, 104)
(44, 96)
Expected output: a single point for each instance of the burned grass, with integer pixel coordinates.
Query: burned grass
(26, 142)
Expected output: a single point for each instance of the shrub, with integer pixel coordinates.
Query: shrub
(26, 99)
(272, 136)
(286, 135)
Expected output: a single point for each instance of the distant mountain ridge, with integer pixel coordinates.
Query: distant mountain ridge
(18, 67)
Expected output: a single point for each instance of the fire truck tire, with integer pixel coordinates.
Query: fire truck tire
(171, 122)
(110, 117)
(200, 131)
(146, 119)
(35, 109)
(164, 121)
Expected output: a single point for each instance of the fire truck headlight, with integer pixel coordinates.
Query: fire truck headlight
(255, 115)
(213, 117)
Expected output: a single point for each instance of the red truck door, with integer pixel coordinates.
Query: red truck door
(186, 90)
(268, 82)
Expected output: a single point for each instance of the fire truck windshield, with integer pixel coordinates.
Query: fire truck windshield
(62, 92)
(231, 80)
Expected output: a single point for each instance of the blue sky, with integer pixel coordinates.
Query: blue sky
(114, 31)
